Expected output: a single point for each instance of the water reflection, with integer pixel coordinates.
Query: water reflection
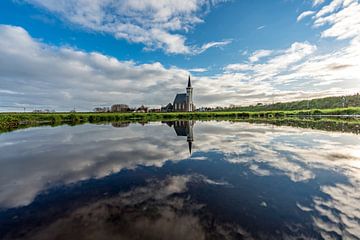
(184, 128)
(126, 181)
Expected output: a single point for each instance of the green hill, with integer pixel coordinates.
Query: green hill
(319, 103)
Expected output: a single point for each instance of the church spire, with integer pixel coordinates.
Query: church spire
(189, 83)
(190, 146)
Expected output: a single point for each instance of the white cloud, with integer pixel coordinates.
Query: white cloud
(198, 70)
(301, 71)
(343, 24)
(257, 55)
(333, 6)
(304, 15)
(317, 2)
(211, 45)
(238, 67)
(150, 22)
(62, 77)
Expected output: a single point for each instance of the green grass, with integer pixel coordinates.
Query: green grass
(317, 103)
(9, 121)
(351, 125)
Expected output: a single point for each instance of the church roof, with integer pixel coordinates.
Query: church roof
(180, 130)
(180, 98)
(189, 83)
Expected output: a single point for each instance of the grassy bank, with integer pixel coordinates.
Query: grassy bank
(350, 125)
(317, 103)
(10, 121)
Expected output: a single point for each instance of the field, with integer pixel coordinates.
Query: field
(9, 121)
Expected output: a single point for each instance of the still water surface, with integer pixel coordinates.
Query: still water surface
(179, 180)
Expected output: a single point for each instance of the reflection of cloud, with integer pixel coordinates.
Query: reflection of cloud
(300, 156)
(258, 171)
(155, 211)
(341, 210)
(48, 161)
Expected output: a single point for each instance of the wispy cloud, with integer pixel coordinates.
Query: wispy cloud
(317, 2)
(257, 55)
(304, 15)
(341, 24)
(198, 70)
(212, 45)
(156, 24)
(301, 67)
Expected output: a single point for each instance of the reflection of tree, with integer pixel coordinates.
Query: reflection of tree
(328, 124)
(184, 128)
(120, 124)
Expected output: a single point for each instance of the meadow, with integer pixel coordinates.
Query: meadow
(10, 121)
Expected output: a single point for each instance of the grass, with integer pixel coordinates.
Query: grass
(350, 125)
(9, 121)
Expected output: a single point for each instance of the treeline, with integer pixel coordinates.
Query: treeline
(320, 103)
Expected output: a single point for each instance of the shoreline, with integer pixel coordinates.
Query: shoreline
(300, 118)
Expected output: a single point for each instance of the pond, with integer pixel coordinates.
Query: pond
(179, 180)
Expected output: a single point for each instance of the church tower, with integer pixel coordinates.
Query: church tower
(189, 95)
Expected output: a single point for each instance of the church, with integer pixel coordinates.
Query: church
(183, 102)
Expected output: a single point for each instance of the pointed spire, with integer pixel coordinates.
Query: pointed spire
(189, 83)
(190, 146)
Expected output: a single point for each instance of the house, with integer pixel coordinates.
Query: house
(183, 102)
(120, 108)
(101, 109)
(154, 110)
(167, 108)
(142, 109)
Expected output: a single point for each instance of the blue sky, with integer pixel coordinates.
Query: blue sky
(82, 53)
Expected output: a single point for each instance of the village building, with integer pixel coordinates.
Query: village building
(167, 108)
(183, 102)
(120, 108)
(142, 109)
(101, 109)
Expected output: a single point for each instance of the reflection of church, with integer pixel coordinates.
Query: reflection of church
(184, 128)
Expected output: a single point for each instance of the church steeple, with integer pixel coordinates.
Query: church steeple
(190, 147)
(189, 97)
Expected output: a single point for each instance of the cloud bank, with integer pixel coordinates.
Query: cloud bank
(38, 75)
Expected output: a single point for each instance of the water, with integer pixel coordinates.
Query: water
(179, 180)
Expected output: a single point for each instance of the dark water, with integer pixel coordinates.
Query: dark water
(128, 181)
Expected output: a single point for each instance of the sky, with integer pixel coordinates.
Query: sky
(65, 54)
